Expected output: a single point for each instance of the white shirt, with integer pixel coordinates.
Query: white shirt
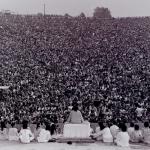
(146, 135)
(130, 131)
(26, 136)
(114, 130)
(44, 136)
(104, 135)
(107, 136)
(136, 136)
(139, 111)
(4, 134)
(13, 134)
(122, 139)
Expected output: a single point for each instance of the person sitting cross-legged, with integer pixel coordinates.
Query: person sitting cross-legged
(13, 133)
(136, 136)
(44, 135)
(104, 134)
(37, 130)
(122, 138)
(25, 134)
(130, 130)
(3, 131)
(75, 116)
(114, 129)
(146, 133)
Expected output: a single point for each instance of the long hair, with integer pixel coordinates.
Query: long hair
(75, 107)
(3, 125)
(48, 128)
(25, 124)
(13, 124)
(38, 125)
(53, 129)
(101, 125)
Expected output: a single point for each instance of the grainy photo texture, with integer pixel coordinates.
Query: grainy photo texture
(74, 74)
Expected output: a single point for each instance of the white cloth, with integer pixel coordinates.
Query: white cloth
(26, 136)
(122, 139)
(13, 134)
(114, 130)
(76, 130)
(130, 131)
(44, 136)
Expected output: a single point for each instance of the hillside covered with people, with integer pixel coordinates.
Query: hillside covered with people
(51, 61)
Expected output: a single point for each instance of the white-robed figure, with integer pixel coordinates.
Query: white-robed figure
(122, 138)
(104, 134)
(13, 133)
(44, 135)
(136, 136)
(37, 130)
(25, 134)
(3, 131)
(75, 116)
(146, 133)
(114, 129)
(76, 127)
(130, 130)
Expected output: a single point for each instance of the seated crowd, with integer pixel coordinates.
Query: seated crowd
(43, 132)
(107, 132)
(121, 135)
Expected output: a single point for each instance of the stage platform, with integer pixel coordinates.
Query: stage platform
(74, 140)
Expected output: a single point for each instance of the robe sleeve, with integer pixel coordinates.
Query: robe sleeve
(69, 118)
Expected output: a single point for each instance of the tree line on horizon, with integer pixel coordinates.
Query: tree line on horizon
(99, 13)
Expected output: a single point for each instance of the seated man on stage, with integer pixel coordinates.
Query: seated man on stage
(75, 116)
(75, 126)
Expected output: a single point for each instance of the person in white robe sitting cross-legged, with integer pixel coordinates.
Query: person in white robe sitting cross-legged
(114, 129)
(104, 134)
(146, 133)
(37, 130)
(131, 130)
(136, 136)
(3, 131)
(75, 116)
(44, 135)
(25, 134)
(122, 138)
(13, 133)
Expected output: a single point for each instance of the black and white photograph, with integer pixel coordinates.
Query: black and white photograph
(74, 74)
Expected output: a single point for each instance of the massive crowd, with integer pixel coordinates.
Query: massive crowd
(51, 61)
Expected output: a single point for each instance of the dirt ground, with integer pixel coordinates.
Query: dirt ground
(6, 145)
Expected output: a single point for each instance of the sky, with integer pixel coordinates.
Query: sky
(118, 8)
